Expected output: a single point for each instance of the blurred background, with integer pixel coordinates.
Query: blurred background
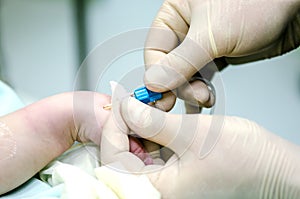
(43, 44)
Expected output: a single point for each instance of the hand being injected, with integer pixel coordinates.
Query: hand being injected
(186, 35)
(35, 135)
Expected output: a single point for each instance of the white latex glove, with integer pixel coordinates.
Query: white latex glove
(246, 161)
(186, 35)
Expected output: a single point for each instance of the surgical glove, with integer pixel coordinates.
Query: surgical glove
(214, 156)
(186, 35)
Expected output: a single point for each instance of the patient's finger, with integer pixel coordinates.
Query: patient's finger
(192, 109)
(137, 148)
(154, 150)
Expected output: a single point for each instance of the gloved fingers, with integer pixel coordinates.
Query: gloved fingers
(176, 67)
(115, 147)
(192, 109)
(167, 102)
(176, 132)
(171, 22)
(197, 93)
(151, 147)
(117, 142)
(185, 92)
(198, 49)
(166, 154)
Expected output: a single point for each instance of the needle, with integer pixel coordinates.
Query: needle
(107, 107)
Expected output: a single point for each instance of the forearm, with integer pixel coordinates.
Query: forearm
(35, 135)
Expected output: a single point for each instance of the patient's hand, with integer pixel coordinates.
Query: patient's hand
(33, 136)
(88, 116)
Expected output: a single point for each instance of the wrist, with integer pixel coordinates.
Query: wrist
(52, 117)
(74, 116)
(88, 116)
(40, 133)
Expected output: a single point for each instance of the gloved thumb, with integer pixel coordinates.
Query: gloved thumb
(176, 47)
(167, 71)
(176, 132)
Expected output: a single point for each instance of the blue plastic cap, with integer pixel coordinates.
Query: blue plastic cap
(144, 95)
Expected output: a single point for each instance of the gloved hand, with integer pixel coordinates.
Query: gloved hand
(245, 160)
(186, 35)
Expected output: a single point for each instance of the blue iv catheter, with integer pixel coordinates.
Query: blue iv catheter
(142, 94)
(146, 96)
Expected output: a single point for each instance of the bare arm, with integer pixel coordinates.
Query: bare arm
(33, 136)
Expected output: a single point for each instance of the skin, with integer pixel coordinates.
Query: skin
(33, 136)
(44, 130)
(137, 148)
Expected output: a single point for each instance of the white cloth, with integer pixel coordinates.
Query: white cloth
(79, 172)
